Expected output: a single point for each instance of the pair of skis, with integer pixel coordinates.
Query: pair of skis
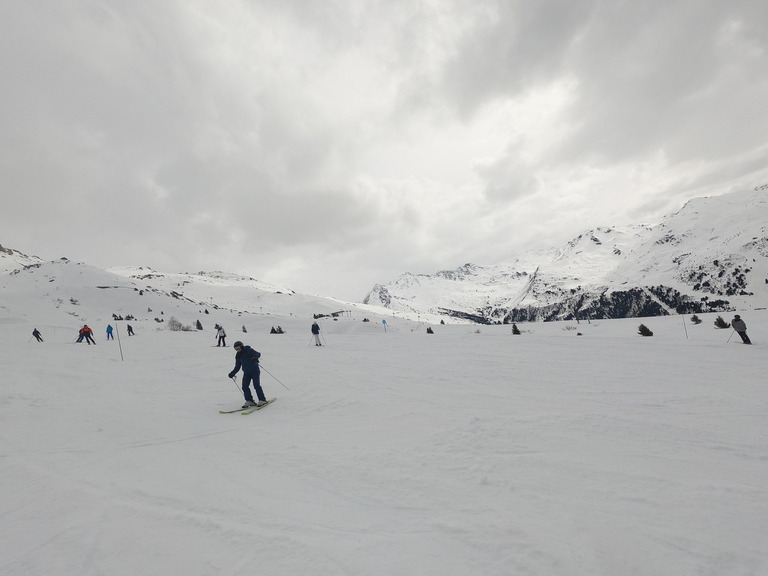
(249, 410)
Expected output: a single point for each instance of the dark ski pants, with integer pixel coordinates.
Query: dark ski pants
(247, 379)
(744, 337)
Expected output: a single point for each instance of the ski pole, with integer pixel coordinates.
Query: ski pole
(731, 336)
(234, 379)
(273, 376)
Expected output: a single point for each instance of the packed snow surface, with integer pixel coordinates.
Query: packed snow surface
(471, 451)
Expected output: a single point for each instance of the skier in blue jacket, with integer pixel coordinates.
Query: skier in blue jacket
(248, 359)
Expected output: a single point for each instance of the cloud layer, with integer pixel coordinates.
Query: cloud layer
(330, 146)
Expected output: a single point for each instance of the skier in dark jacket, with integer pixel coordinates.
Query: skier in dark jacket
(37, 335)
(316, 333)
(741, 328)
(248, 359)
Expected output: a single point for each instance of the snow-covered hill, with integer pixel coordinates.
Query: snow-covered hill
(70, 293)
(712, 255)
(11, 259)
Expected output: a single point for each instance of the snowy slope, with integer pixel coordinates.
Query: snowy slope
(571, 449)
(11, 259)
(68, 293)
(722, 241)
(710, 255)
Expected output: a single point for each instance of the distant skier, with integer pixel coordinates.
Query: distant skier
(741, 328)
(109, 332)
(316, 333)
(221, 335)
(248, 359)
(130, 330)
(87, 333)
(37, 335)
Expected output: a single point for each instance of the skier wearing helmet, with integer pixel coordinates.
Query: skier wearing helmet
(741, 328)
(248, 359)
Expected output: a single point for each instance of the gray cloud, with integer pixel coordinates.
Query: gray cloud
(329, 146)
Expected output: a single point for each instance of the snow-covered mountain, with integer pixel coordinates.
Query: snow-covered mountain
(712, 255)
(63, 289)
(11, 259)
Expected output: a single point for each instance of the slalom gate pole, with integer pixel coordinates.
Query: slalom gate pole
(119, 344)
(731, 336)
(686, 327)
(273, 376)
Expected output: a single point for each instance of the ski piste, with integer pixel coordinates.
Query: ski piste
(255, 408)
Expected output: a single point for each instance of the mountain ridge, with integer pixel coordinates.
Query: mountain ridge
(709, 256)
(63, 289)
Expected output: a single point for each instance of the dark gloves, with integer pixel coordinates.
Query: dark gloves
(231, 374)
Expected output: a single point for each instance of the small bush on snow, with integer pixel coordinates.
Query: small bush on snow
(643, 330)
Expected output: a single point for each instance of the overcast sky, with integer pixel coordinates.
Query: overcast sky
(329, 146)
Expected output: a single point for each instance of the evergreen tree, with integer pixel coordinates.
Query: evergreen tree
(720, 323)
(644, 331)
